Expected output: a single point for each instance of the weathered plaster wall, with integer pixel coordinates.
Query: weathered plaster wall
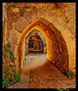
(62, 16)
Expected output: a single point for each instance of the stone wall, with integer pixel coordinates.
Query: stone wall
(61, 15)
(56, 47)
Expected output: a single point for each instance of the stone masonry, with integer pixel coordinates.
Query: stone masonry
(61, 15)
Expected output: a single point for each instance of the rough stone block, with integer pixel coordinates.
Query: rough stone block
(73, 30)
(72, 23)
(41, 13)
(71, 14)
(14, 36)
(30, 16)
(72, 61)
(21, 24)
(70, 42)
(60, 24)
(50, 16)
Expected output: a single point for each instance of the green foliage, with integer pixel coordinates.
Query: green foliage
(5, 79)
(22, 11)
(70, 74)
(12, 5)
(5, 55)
(5, 48)
(16, 76)
(10, 82)
(6, 70)
(62, 89)
(38, 37)
(8, 45)
(25, 56)
(65, 73)
(12, 56)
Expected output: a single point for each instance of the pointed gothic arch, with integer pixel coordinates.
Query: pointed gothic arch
(41, 37)
(57, 52)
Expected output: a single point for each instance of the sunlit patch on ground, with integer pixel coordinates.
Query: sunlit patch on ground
(34, 60)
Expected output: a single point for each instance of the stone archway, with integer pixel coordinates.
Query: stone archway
(41, 36)
(57, 52)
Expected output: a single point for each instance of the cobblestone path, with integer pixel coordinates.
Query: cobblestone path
(48, 76)
(43, 76)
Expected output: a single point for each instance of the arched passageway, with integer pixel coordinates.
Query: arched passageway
(30, 43)
(35, 43)
(35, 50)
(57, 52)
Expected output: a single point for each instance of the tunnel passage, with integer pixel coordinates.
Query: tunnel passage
(35, 39)
(35, 43)
(57, 52)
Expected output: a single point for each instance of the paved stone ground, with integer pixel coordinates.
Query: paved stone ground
(34, 60)
(43, 76)
(48, 76)
(24, 81)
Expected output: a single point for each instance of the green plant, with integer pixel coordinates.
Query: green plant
(7, 51)
(25, 56)
(22, 11)
(5, 55)
(10, 82)
(6, 48)
(16, 76)
(12, 56)
(70, 74)
(38, 37)
(8, 45)
(12, 5)
(62, 89)
(5, 79)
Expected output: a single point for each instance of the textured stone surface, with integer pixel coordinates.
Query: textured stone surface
(61, 52)
(41, 13)
(56, 46)
(54, 78)
(30, 16)
(21, 24)
(62, 16)
(70, 42)
(70, 11)
(72, 63)
(14, 36)
(15, 9)
(40, 76)
(60, 24)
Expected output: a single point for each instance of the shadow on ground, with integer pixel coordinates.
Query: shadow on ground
(44, 76)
